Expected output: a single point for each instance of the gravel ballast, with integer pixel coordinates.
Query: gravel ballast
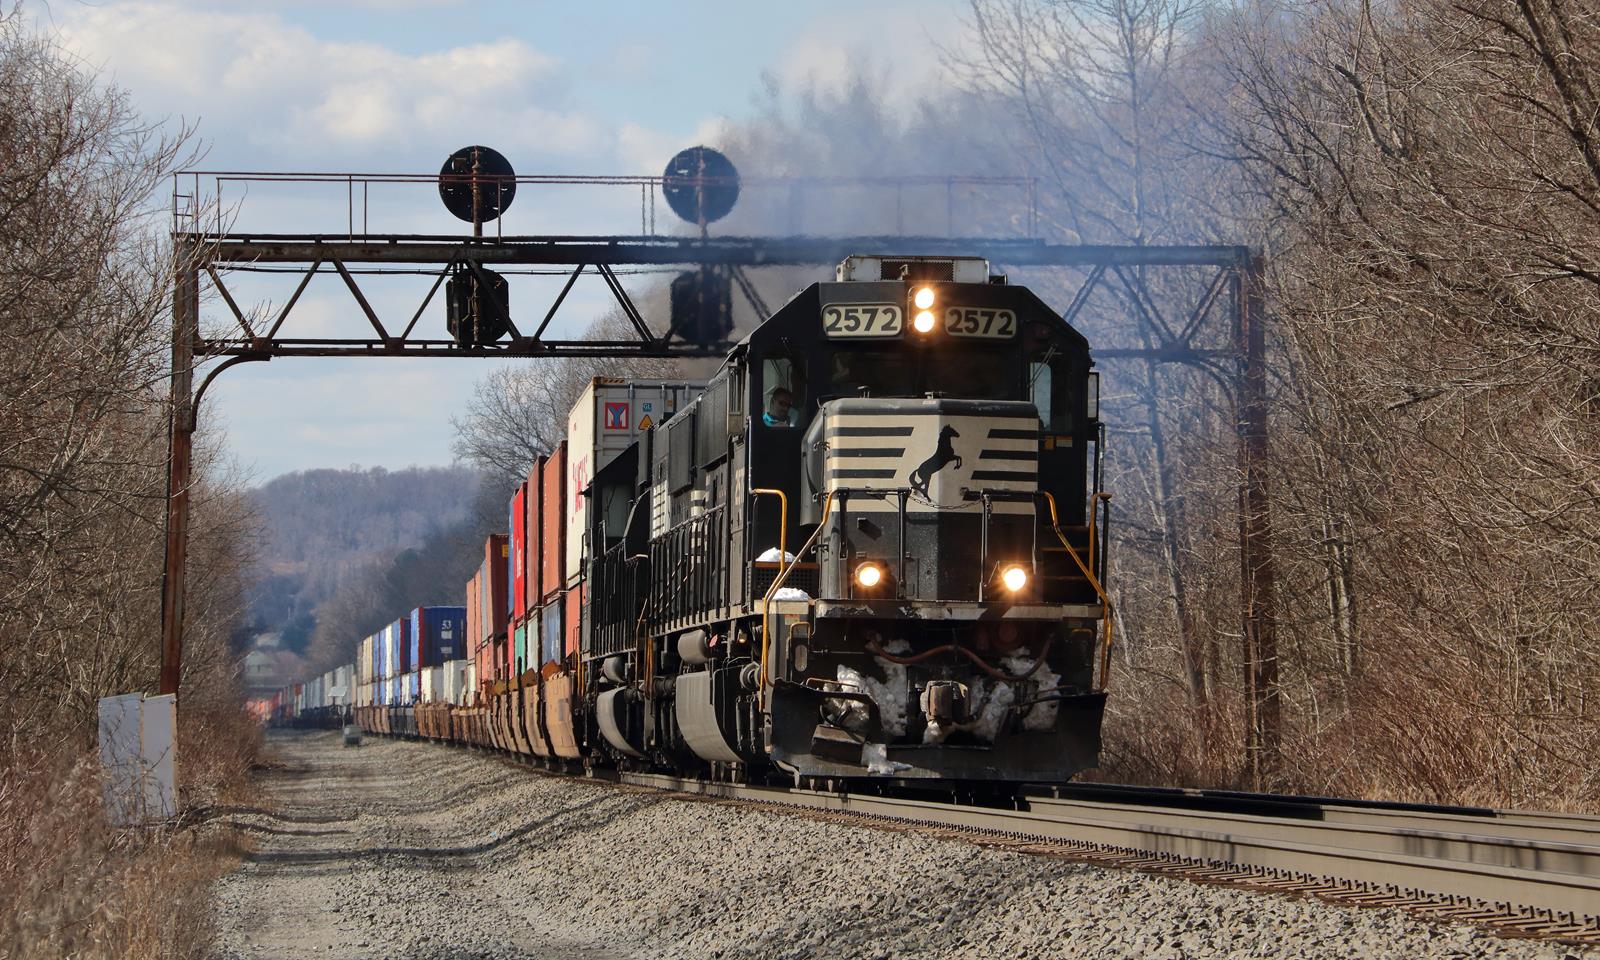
(409, 850)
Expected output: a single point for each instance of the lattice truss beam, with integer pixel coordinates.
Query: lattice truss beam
(262, 335)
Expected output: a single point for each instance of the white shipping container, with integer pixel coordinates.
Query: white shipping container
(455, 677)
(339, 686)
(469, 683)
(611, 414)
(433, 689)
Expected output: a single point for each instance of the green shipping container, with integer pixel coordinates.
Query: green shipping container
(521, 653)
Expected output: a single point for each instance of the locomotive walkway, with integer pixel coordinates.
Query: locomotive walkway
(400, 849)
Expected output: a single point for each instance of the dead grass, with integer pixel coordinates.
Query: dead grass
(1422, 729)
(76, 888)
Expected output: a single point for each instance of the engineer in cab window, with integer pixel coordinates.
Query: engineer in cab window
(779, 409)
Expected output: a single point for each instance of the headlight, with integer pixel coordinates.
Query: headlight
(923, 322)
(869, 575)
(1014, 577)
(923, 298)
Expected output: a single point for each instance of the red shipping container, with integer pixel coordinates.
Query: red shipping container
(574, 620)
(510, 667)
(553, 536)
(534, 534)
(519, 553)
(496, 550)
(474, 639)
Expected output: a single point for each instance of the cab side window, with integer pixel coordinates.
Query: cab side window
(782, 392)
(1039, 382)
(1050, 389)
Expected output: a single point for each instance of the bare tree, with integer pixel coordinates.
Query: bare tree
(83, 322)
(1430, 171)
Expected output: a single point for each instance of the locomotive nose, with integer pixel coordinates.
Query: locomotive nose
(932, 486)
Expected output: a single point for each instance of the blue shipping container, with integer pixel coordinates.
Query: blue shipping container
(402, 628)
(437, 634)
(550, 621)
(396, 649)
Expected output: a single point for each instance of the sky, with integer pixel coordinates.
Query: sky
(394, 87)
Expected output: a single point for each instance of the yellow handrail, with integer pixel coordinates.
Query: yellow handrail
(777, 584)
(783, 523)
(1055, 524)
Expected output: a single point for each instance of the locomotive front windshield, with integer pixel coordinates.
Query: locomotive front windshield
(901, 370)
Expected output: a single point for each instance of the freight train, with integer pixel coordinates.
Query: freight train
(869, 548)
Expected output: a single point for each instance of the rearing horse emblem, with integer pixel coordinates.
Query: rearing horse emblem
(944, 454)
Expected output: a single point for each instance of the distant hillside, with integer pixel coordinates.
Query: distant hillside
(326, 526)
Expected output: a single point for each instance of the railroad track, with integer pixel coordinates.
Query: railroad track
(1522, 874)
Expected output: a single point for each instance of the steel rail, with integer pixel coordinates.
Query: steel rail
(1507, 881)
(1537, 826)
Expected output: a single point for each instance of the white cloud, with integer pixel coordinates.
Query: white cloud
(257, 80)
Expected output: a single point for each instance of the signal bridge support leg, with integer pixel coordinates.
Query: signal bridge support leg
(1258, 579)
(180, 465)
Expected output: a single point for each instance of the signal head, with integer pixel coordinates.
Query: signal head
(496, 182)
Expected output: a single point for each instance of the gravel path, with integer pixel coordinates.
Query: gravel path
(411, 851)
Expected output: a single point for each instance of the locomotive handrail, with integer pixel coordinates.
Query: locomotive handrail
(783, 524)
(777, 584)
(1099, 498)
(1094, 581)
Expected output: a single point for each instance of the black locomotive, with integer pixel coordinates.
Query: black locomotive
(867, 550)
